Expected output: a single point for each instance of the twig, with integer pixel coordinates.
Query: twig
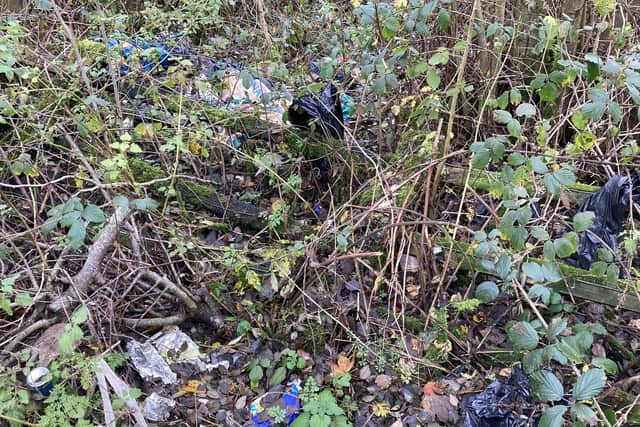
(94, 259)
(17, 338)
(157, 322)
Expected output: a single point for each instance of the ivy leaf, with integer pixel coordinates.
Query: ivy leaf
(546, 386)
(589, 384)
(553, 417)
(583, 220)
(487, 291)
(523, 336)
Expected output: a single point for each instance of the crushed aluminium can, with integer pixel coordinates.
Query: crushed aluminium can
(40, 383)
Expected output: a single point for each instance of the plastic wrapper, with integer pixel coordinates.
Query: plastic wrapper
(149, 363)
(289, 401)
(493, 407)
(158, 408)
(610, 206)
(326, 109)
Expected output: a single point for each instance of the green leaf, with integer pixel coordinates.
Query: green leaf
(540, 291)
(256, 373)
(503, 266)
(538, 165)
(444, 19)
(578, 120)
(318, 420)
(76, 234)
(584, 414)
(5, 304)
(534, 271)
(433, 79)
(80, 315)
(609, 366)
(551, 273)
(278, 376)
(516, 97)
(379, 85)
(502, 117)
(526, 110)
(615, 112)
(23, 299)
(548, 92)
(487, 291)
(93, 213)
(532, 360)
(589, 384)
(417, 69)
(302, 420)
(585, 140)
(593, 110)
(146, 204)
(523, 336)
(514, 128)
(549, 250)
(556, 327)
(440, 57)
(553, 417)
(567, 245)
(546, 386)
(583, 220)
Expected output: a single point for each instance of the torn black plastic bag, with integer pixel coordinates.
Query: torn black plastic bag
(326, 108)
(610, 206)
(493, 407)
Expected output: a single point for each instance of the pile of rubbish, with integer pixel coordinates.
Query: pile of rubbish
(227, 84)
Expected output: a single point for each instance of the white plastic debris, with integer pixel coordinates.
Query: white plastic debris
(176, 347)
(149, 363)
(158, 408)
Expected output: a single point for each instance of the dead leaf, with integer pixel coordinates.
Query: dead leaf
(383, 381)
(396, 423)
(432, 387)
(195, 387)
(344, 365)
(436, 404)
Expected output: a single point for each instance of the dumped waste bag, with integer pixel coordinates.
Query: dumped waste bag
(492, 407)
(610, 206)
(326, 108)
(289, 402)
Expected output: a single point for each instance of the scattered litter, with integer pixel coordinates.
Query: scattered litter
(611, 206)
(149, 363)
(176, 347)
(491, 408)
(158, 408)
(289, 401)
(40, 383)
